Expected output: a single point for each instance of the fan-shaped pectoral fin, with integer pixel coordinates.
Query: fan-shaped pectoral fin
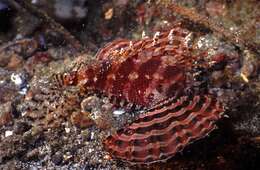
(166, 129)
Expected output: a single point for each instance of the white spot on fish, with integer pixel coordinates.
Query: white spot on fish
(156, 37)
(121, 51)
(133, 76)
(118, 112)
(144, 35)
(188, 39)
(131, 46)
(170, 37)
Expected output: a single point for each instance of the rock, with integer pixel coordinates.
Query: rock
(57, 158)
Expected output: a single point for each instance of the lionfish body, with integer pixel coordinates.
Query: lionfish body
(157, 73)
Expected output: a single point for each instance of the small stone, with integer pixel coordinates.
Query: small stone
(67, 156)
(109, 13)
(107, 157)
(20, 80)
(8, 133)
(90, 150)
(67, 130)
(92, 135)
(57, 158)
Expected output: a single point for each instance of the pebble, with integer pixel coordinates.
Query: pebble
(17, 79)
(90, 150)
(20, 80)
(67, 130)
(57, 158)
(92, 135)
(109, 14)
(8, 133)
